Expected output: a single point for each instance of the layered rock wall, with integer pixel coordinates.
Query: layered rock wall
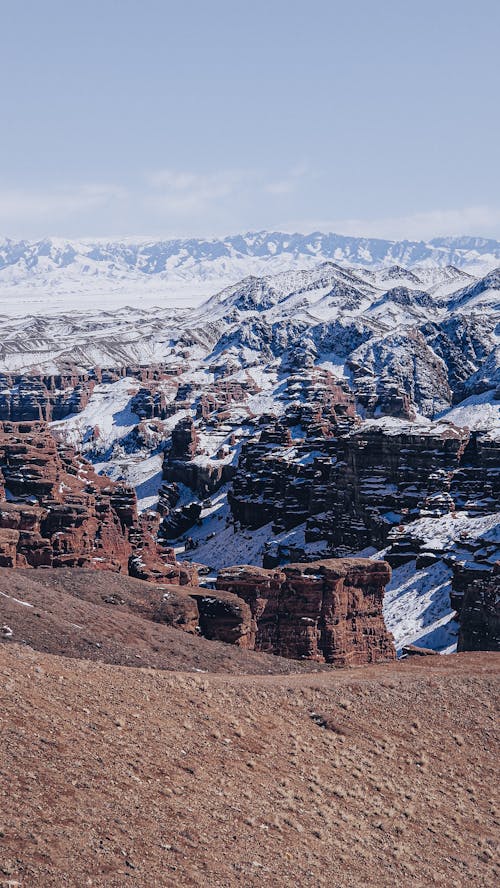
(476, 597)
(29, 398)
(180, 467)
(329, 611)
(351, 485)
(56, 512)
(32, 397)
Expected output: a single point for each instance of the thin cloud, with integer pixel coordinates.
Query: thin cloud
(480, 221)
(289, 183)
(187, 203)
(286, 186)
(182, 191)
(186, 192)
(17, 205)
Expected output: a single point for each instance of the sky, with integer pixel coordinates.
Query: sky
(209, 117)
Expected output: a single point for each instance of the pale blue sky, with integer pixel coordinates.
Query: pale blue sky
(121, 117)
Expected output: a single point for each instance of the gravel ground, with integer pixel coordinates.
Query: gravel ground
(377, 776)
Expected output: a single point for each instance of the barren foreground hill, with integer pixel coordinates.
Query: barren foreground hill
(99, 615)
(115, 776)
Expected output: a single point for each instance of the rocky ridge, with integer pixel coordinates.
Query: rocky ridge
(424, 343)
(66, 274)
(476, 597)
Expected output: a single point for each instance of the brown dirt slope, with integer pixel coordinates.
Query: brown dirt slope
(376, 776)
(69, 612)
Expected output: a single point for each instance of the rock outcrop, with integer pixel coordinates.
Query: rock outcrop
(33, 397)
(223, 616)
(113, 618)
(9, 540)
(388, 474)
(28, 397)
(215, 615)
(56, 512)
(329, 611)
(475, 486)
(222, 393)
(476, 597)
(180, 466)
(184, 440)
(393, 373)
(352, 484)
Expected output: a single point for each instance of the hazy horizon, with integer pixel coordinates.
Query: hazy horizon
(159, 238)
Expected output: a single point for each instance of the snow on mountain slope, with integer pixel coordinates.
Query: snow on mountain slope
(417, 607)
(406, 345)
(108, 410)
(414, 346)
(446, 279)
(86, 338)
(482, 293)
(218, 543)
(53, 275)
(477, 412)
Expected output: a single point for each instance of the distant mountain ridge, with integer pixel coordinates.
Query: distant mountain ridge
(55, 274)
(154, 256)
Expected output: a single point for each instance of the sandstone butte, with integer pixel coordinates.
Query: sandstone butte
(60, 513)
(330, 611)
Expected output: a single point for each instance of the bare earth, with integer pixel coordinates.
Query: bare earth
(65, 612)
(377, 776)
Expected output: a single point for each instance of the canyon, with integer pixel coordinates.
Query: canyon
(232, 542)
(304, 417)
(60, 514)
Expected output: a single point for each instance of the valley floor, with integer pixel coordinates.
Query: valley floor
(377, 776)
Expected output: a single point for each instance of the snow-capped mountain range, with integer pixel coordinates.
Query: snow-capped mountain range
(407, 339)
(54, 275)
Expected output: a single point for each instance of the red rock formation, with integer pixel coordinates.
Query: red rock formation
(155, 401)
(330, 611)
(9, 540)
(179, 467)
(413, 650)
(38, 397)
(224, 392)
(351, 484)
(152, 558)
(64, 515)
(224, 617)
(178, 609)
(32, 397)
